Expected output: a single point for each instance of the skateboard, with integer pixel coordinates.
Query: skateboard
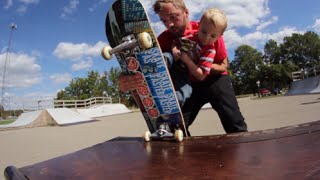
(133, 43)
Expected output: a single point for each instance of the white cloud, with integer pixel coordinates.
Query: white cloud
(97, 4)
(30, 1)
(244, 13)
(75, 52)
(22, 9)
(284, 32)
(21, 70)
(7, 4)
(233, 39)
(316, 26)
(265, 24)
(69, 9)
(24, 4)
(80, 54)
(83, 64)
(61, 78)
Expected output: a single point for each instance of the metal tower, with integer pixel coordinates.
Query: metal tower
(13, 27)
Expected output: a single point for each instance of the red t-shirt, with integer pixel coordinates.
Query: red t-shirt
(166, 39)
(203, 55)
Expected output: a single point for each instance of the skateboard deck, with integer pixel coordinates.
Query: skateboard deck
(134, 44)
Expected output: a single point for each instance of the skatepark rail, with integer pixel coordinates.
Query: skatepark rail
(81, 103)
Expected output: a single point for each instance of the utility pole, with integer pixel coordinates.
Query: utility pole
(13, 27)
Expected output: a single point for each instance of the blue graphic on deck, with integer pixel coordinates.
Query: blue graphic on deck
(132, 10)
(154, 70)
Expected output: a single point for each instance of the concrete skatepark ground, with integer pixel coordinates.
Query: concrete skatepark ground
(28, 146)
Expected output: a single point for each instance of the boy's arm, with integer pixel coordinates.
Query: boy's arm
(220, 64)
(195, 70)
(218, 68)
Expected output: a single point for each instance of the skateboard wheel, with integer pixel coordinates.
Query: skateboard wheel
(105, 52)
(178, 135)
(147, 136)
(145, 40)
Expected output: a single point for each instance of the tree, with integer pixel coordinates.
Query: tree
(246, 67)
(276, 73)
(113, 76)
(1, 111)
(301, 50)
(274, 76)
(95, 85)
(312, 49)
(91, 86)
(274, 68)
(271, 53)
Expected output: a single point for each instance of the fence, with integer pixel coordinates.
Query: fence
(81, 103)
(303, 74)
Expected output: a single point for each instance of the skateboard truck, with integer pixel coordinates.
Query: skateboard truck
(164, 132)
(129, 42)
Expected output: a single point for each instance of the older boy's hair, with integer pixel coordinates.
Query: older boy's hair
(217, 17)
(179, 4)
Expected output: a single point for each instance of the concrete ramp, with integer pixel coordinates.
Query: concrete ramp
(305, 86)
(64, 116)
(59, 116)
(30, 119)
(104, 110)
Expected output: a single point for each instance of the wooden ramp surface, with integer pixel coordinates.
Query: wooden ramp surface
(284, 153)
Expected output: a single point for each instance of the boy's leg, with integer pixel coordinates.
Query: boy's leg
(184, 93)
(225, 103)
(193, 105)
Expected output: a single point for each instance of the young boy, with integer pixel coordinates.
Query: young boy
(197, 51)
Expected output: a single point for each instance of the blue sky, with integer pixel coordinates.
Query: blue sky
(56, 41)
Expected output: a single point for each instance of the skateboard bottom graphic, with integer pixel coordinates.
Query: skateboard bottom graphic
(284, 153)
(148, 79)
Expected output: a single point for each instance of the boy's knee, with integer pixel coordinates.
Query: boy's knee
(180, 98)
(187, 91)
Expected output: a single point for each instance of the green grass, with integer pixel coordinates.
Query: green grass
(6, 122)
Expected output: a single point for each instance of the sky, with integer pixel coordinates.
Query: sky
(57, 41)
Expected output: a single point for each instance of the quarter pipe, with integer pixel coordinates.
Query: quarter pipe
(305, 86)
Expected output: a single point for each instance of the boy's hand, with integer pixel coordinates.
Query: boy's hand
(176, 54)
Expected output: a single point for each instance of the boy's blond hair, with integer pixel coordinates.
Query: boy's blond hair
(179, 4)
(217, 17)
